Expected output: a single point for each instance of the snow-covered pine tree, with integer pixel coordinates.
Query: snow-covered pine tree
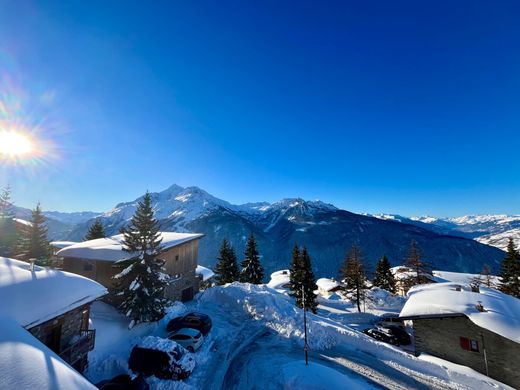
(510, 271)
(383, 276)
(96, 230)
(141, 283)
(252, 270)
(353, 274)
(302, 280)
(226, 269)
(33, 242)
(421, 271)
(8, 232)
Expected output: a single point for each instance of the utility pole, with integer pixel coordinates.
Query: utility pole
(306, 346)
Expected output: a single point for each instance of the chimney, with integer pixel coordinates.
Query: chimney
(32, 261)
(475, 288)
(480, 307)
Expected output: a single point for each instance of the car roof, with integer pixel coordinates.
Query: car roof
(196, 314)
(187, 331)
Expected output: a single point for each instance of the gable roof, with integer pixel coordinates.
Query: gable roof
(501, 313)
(25, 363)
(110, 249)
(32, 297)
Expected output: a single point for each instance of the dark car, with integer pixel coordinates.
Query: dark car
(381, 336)
(402, 337)
(175, 364)
(123, 382)
(198, 321)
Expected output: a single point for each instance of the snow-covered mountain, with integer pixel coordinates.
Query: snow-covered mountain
(328, 232)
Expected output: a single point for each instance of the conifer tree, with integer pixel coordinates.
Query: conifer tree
(141, 283)
(8, 231)
(353, 274)
(96, 230)
(226, 269)
(510, 271)
(383, 277)
(302, 279)
(33, 241)
(421, 271)
(252, 270)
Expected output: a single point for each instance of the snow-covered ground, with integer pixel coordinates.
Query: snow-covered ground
(257, 342)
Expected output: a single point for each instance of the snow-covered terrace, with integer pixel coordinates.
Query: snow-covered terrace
(25, 363)
(501, 312)
(32, 297)
(111, 248)
(206, 273)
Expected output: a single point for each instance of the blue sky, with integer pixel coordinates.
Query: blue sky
(404, 107)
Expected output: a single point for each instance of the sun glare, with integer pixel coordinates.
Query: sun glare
(15, 144)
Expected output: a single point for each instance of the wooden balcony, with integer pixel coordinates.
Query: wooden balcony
(78, 349)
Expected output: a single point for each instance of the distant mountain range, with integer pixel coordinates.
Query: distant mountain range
(327, 231)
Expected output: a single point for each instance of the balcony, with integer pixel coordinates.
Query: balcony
(78, 349)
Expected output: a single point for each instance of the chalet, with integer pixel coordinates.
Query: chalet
(52, 305)
(405, 278)
(471, 326)
(98, 260)
(280, 280)
(328, 288)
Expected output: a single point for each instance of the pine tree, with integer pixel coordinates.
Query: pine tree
(33, 241)
(8, 231)
(353, 274)
(421, 271)
(302, 279)
(96, 230)
(141, 283)
(383, 277)
(510, 271)
(252, 271)
(226, 269)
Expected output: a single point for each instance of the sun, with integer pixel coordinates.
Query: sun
(15, 144)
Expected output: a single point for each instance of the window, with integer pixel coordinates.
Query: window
(469, 344)
(176, 257)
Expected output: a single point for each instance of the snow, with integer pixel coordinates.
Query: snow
(279, 279)
(166, 345)
(62, 244)
(327, 284)
(501, 240)
(501, 313)
(458, 277)
(205, 272)
(316, 376)
(22, 221)
(111, 248)
(31, 298)
(25, 363)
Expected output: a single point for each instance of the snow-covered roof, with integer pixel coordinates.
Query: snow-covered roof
(501, 313)
(279, 279)
(62, 244)
(402, 272)
(111, 248)
(25, 363)
(327, 284)
(459, 277)
(205, 272)
(23, 221)
(32, 297)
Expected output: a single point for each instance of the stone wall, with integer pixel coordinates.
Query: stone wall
(441, 337)
(184, 282)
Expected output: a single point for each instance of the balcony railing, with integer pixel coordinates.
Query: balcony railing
(79, 348)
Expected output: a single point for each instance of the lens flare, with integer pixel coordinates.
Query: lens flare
(15, 144)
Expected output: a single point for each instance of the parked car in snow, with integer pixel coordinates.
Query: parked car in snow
(400, 334)
(189, 338)
(123, 382)
(194, 320)
(381, 336)
(164, 361)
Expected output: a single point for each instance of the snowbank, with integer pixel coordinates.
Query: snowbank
(32, 297)
(458, 277)
(205, 272)
(25, 363)
(279, 279)
(316, 376)
(111, 248)
(501, 312)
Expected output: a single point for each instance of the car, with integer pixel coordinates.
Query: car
(381, 336)
(189, 338)
(194, 320)
(402, 337)
(173, 363)
(123, 382)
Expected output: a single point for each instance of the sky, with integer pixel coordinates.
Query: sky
(374, 106)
